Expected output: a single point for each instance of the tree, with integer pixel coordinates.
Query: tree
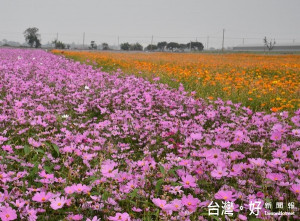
(162, 45)
(198, 46)
(105, 46)
(93, 45)
(136, 47)
(182, 46)
(172, 45)
(58, 44)
(32, 37)
(270, 44)
(125, 46)
(151, 47)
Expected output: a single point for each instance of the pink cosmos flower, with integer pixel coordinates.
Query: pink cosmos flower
(242, 217)
(275, 176)
(190, 202)
(257, 162)
(95, 218)
(43, 174)
(196, 136)
(108, 171)
(295, 188)
(7, 213)
(19, 203)
(57, 203)
(176, 190)
(297, 154)
(69, 189)
(31, 214)
(138, 210)
(42, 197)
(225, 195)
(177, 204)
(79, 188)
(219, 173)
(34, 143)
(75, 217)
(160, 203)
(276, 135)
(296, 132)
(188, 181)
(120, 217)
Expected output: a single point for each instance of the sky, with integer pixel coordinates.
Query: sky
(245, 21)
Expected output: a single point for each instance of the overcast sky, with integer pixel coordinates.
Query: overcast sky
(166, 20)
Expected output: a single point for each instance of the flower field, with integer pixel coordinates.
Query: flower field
(78, 143)
(262, 82)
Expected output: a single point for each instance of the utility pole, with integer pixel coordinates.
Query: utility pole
(57, 36)
(243, 41)
(151, 42)
(83, 40)
(118, 42)
(190, 45)
(293, 41)
(207, 41)
(223, 40)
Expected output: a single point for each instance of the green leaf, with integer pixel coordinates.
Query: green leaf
(255, 219)
(268, 200)
(133, 193)
(158, 185)
(105, 195)
(48, 169)
(95, 193)
(26, 149)
(35, 157)
(92, 178)
(172, 172)
(34, 170)
(162, 169)
(40, 151)
(175, 184)
(55, 147)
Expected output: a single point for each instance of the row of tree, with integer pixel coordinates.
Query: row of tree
(162, 46)
(173, 46)
(33, 38)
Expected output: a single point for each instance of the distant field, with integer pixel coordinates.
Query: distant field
(261, 82)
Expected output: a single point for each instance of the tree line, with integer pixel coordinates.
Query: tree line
(33, 39)
(163, 46)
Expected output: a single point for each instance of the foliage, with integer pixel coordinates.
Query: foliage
(32, 37)
(162, 45)
(136, 47)
(151, 47)
(198, 46)
(105, 46)
(58, 44)
(125, 46)
(93, 45)
(172, 45)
